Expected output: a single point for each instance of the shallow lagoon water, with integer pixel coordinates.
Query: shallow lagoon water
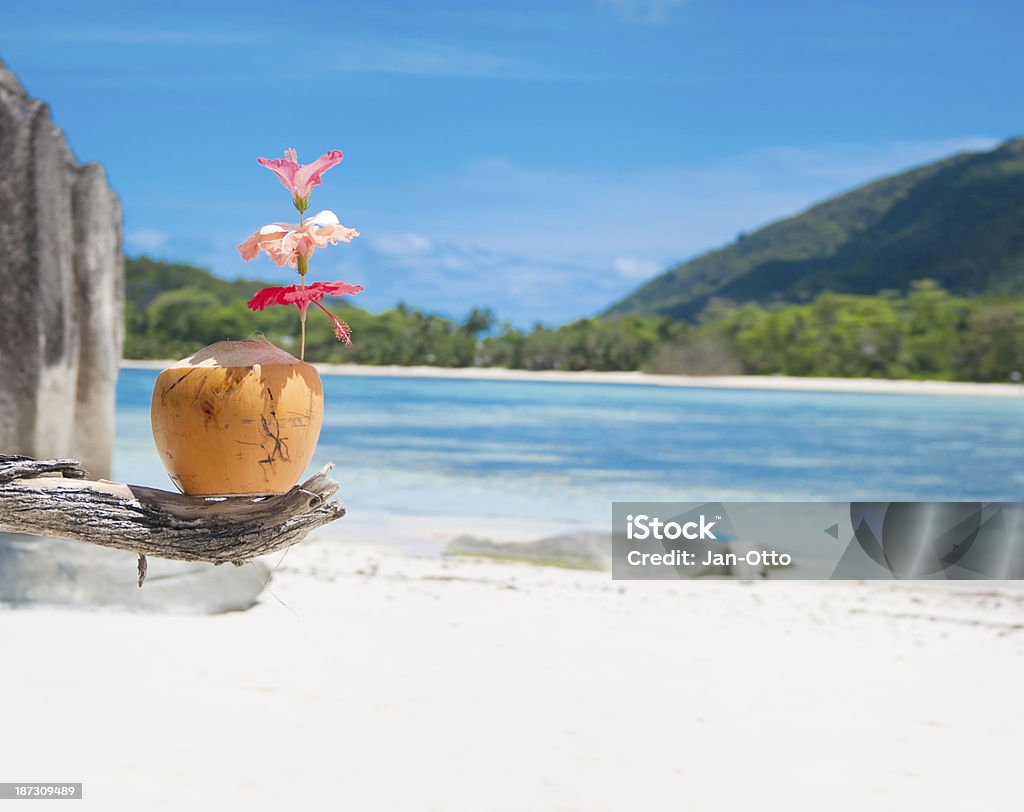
(565, 451)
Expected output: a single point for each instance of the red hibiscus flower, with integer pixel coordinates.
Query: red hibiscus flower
(303, 297)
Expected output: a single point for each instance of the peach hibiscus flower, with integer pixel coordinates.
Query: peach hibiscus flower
(292, 243)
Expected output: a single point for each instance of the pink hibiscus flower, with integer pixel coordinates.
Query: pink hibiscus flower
(299, 179)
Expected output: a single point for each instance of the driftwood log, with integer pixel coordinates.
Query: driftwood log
(56, 498)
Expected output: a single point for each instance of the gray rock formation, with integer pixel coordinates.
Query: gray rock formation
(55, 573)
(61, 291)
(61, 333)
(582, 550)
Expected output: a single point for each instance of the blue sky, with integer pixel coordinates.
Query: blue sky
(539, 158)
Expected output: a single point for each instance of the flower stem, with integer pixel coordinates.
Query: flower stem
(303, 267)
(302, 340)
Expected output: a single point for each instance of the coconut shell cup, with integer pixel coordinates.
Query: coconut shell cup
(237, 418)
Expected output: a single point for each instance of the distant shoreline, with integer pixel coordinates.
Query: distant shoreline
(780, 383)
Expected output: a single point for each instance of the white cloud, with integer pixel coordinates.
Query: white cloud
(643, 11)
(419, 59)
(633, 268)
(146, 239)
(854, 164)
(550, 244)
(147, 36)
(454, 276)
(402, 245)
(661, 213)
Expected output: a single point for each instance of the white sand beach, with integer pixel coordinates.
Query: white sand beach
(375, 680)
(754, 382)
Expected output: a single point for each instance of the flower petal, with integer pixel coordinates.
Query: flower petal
(309, 175)
(285, 242)
(250, 248)
(301, 296)
(285, 168)
(278, 228)
(323, 218)
(337, 288)
(332, 235)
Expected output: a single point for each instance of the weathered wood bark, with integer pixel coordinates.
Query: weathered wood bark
(54, 498)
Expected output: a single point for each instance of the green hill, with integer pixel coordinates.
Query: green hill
(959, 221)
(146, 279)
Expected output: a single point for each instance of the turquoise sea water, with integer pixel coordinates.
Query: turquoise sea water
(566, 450)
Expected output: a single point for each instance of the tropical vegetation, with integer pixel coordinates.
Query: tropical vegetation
(927, 332)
